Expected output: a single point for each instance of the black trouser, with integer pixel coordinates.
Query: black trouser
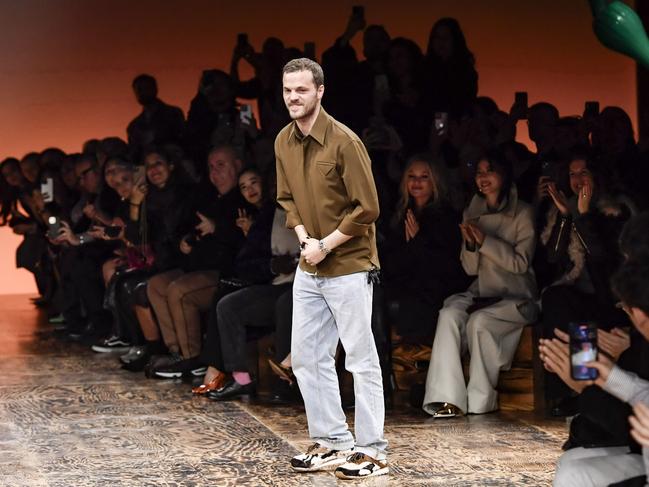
(265, 306)
(83, 284)
(126, 290)
(563, 305)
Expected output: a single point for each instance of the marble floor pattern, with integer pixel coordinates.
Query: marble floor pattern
(69, 417)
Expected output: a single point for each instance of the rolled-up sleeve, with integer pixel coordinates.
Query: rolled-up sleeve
(356, 173)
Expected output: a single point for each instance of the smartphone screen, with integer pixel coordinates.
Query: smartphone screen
(47, 190)
(583, 349)
(245, 114)
(53, 226)
(441, 122)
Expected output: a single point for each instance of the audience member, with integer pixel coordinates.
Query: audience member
(499, 241)
(158, 123)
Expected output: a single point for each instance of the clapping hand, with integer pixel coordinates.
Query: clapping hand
(614, 342)
(640, 424)
(558, 197)
(411, 225)
(584, 198)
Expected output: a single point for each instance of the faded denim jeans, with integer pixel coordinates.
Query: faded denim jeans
(324, 310)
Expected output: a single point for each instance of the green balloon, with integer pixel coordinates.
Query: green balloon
(619, 28)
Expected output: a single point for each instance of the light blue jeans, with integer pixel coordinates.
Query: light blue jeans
(324, 310)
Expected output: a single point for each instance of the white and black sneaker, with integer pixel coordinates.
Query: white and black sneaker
(359, 466)
(112, 344)
(182, 368)
(318, 457)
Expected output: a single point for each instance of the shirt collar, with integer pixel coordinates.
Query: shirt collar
(318, 131)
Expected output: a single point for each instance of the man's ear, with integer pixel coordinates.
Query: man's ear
(640, 321)
(320, 92)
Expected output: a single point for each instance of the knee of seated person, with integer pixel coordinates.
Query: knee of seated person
(568, 473)
(156, 285)
(478, 322)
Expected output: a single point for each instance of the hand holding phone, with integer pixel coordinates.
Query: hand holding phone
(583, 349)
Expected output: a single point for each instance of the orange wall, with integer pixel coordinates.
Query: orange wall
(67, 64)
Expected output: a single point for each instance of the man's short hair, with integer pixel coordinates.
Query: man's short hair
(305, 64)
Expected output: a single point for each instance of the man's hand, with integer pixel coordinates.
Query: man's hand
(67, 235)
(640, 424)
(311, 252)
(614, 343)
(555, 355)
(206, 226)
(185, 248)
(603, 366)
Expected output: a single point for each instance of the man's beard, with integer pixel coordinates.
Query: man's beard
(306, 113)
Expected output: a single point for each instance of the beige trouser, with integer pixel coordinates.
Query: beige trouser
(177, 299)
(491, 336)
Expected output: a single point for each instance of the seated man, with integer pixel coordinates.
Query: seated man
(607, 464)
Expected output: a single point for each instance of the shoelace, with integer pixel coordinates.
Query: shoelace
(313, 448)
(357, 457)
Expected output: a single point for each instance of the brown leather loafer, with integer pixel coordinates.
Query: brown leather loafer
(213, 385)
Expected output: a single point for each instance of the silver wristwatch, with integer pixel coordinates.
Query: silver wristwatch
(322, 247)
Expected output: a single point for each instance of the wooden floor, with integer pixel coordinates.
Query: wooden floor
(69, 417)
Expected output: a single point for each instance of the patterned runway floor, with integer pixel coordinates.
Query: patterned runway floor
(69, 417)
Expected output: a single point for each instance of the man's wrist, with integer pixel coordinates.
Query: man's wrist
(323, 247)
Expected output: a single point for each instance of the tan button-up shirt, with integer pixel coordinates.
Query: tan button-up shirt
(325, 182)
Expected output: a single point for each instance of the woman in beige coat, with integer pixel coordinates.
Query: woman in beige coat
(487, 319)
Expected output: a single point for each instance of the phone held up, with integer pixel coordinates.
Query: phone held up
(583, 349)
(53, 227)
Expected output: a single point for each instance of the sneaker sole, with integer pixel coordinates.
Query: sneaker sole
(199, 372)
(100, 349)
(382, 471)
(168, 375)
(322, 467)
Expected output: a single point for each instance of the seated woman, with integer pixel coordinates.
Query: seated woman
(420, 260)
(487, 319)
(179, 296)
(580, 245)
(157, 211)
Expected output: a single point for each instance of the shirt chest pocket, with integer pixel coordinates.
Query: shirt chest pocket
(326, 168)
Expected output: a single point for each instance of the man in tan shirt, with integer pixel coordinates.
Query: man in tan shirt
(325, 184)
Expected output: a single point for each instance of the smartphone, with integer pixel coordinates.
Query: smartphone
(242, 39)
(53, 226)
(358, 11)
(441, 122)
(520, 98)
(583, 349)
(591, 109)
(245, 114)
(309, 50)
(112, 231)
(47, 190)
(547, 169)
